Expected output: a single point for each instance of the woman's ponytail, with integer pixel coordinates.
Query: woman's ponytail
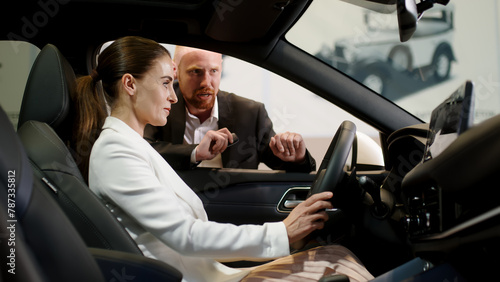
(91, 112)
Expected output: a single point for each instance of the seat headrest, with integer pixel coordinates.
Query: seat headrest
(49, 89)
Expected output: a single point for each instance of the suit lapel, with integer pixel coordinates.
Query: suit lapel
(226, 119)
(225, 111)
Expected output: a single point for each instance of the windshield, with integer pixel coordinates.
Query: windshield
(416, 75)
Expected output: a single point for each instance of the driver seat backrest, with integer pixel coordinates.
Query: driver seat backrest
(44, 239)
(45, 118)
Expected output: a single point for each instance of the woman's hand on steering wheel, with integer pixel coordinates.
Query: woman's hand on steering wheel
(308, 216)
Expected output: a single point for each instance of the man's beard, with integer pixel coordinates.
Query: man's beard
(201, 104)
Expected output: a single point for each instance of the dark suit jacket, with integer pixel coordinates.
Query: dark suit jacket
(245, 117)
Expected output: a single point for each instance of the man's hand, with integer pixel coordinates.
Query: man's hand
(213, 143)
(289, 147)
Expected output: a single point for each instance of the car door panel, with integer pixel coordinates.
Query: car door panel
(243, 196)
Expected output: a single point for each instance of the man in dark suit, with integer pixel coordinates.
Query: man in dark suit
(205, 117)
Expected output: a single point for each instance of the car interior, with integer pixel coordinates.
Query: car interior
(430, 213)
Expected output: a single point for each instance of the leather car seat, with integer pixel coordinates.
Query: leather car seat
(45, 121)
(48, 244)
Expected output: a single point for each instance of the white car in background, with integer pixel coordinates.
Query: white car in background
(380, 61)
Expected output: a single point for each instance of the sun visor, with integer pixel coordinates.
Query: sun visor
(243, 21)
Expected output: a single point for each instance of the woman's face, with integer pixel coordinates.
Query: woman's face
(155, 93)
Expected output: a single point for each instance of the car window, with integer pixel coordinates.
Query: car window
(317, 122)
(16, 59)
(290, 106)
(420, 73)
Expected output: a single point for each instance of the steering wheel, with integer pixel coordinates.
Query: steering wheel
(331, 171)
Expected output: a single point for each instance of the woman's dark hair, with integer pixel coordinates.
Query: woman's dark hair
(95, 92)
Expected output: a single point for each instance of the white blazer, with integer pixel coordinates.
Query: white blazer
(165, 217)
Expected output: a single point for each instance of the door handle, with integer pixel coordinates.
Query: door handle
(292, 198)
(290, 204)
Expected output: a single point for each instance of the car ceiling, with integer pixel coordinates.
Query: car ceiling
(251, 30)
(217, 24)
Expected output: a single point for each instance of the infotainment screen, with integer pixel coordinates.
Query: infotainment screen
(450, 119)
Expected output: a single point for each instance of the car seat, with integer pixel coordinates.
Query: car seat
(45, 121)
(50, 245)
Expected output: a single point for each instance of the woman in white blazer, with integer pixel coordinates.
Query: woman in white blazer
(161, 213)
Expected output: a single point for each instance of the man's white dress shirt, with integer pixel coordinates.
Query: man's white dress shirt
(195, 131)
